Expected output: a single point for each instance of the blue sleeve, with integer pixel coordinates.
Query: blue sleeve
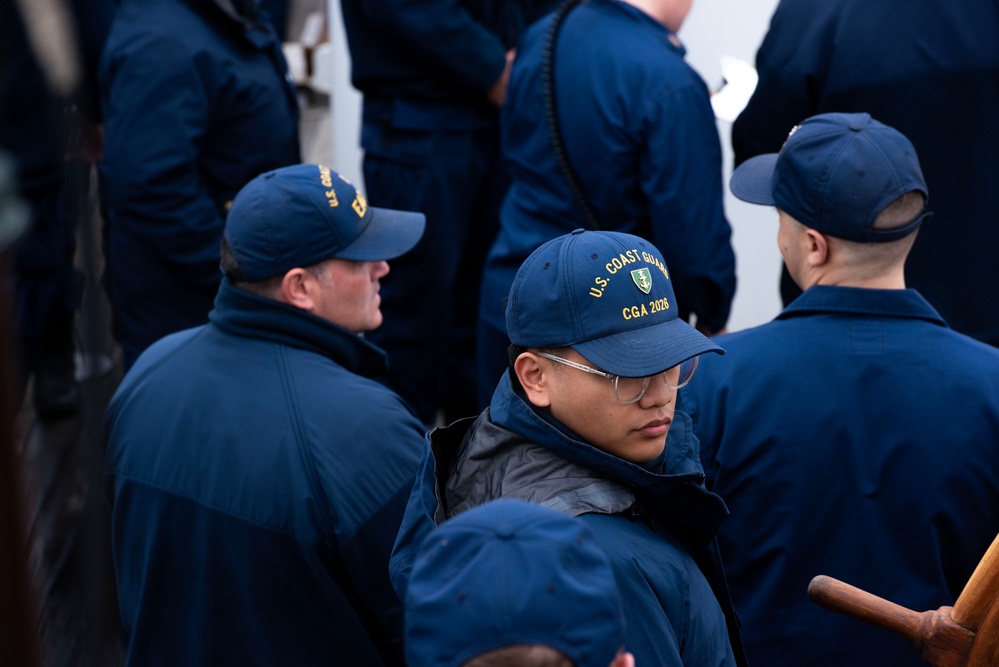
(416, 525)
(672, 613)
(681, 177)
(446, 35)
(368, 497)
(653, 588)
(366, 558)
(791, 65)
(158, 100)
(654, 641)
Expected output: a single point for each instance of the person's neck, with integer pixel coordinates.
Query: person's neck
(847, 277)
(663, 11)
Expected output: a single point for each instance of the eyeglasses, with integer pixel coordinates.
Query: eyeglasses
(630, 390)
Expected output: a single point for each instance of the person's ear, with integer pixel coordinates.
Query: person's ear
(816, 248)
(533, 378)
(623, 659)
(296, 289)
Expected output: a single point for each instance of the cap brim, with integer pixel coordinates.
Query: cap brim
(389, 233)
(647, 351)
(753, 180)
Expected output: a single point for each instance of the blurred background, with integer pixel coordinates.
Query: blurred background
(57, 598)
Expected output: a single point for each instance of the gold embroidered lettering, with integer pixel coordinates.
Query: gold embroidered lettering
(324, 176)
(360, 205)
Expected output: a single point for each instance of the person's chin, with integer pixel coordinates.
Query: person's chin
(647, 449)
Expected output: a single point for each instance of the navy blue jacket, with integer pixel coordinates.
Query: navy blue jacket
(196, 103)
(257, 479)
(656, 526)
(854, 436)
(929, 69)
(434, 50)
(641, 136)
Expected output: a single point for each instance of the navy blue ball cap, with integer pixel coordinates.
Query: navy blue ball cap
(836, 173)
(607, 295)
(755, 181)
(304, 214)
(510, 573)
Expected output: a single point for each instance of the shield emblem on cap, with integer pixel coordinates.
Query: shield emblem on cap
(643, 279)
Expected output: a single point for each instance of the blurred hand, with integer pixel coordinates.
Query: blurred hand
(497, 94)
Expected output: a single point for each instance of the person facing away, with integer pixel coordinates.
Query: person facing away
(256, 474)
(197, 101)
(514, 583)
(855, 435)
(585, 423)
(645, 156)
(930, 70)
(434, 75)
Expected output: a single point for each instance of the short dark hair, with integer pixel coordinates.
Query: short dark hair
(514, 351)
(901, 211)
(267, 287)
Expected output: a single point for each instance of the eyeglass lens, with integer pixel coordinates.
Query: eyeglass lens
(630, 390)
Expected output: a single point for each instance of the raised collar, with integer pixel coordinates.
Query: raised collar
(901, 303)
(247, 315)
(678, 491)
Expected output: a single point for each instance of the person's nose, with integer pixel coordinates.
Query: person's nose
(658, 394)
(380, 269)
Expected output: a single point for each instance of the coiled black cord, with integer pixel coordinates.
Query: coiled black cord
(551, 114)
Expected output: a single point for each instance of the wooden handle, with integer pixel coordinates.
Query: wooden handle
(980, 592)
(850, 601)
(985, 648)
(942, 642)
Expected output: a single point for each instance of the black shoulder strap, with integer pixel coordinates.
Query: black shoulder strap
(551, 114)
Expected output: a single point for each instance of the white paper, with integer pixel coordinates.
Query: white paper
(740, 82)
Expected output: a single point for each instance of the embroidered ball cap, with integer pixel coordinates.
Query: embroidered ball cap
(607, 295)
(836, 173)
(511, 572)
(304, 214)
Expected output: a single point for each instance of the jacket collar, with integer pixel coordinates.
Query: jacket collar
(512, 411)
(247, 315)
(902, 303)
(676, 494)
(493, 462)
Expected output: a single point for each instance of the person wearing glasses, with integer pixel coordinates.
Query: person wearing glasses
(585, 422)
(643, 158)
(855, 435)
